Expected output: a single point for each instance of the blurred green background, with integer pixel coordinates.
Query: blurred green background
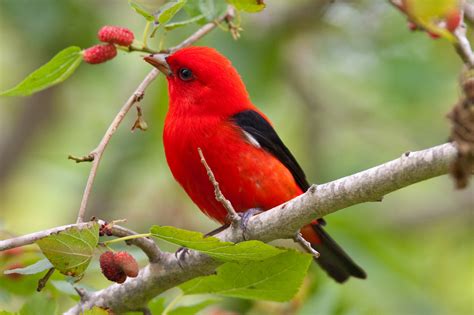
(347, 86)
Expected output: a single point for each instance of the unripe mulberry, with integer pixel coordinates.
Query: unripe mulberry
(111, 269)
(99, 53)
(116, 35)
(127, 263)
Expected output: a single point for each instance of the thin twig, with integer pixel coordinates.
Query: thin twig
(232, 214)
(33, 237)
(43, 281)
(147, 245)
(96, 154)
(99, 150)
(463, 47)
(227, 16)
(305, 244)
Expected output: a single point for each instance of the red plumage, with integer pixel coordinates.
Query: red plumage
(253, 167)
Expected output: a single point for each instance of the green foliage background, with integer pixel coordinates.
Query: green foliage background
(347, 87)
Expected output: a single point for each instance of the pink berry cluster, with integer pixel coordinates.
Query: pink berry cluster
(118, 266)
(111, 35)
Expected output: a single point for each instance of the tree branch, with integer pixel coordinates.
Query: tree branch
(280, 222)
(136, 97)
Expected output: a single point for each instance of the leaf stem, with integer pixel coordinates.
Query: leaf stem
(126, 238)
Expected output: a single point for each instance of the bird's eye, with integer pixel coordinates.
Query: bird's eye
(185, 74)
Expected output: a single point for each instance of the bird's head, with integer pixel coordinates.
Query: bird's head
(201, 81)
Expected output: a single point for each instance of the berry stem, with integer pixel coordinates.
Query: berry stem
(145, 33)
(141, 48)
(126, 238)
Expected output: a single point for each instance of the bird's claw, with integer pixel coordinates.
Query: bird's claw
(245, 217)
(180, 255)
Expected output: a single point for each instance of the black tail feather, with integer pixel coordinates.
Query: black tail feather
(333, 258)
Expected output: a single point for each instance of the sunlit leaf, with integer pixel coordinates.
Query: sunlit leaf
(169, 10)
(55, 71)
(251, 6)
(71, 251)
(141, 10)
(277, 278)
(226, 251)
(39, 266)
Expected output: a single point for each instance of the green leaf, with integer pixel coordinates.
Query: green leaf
(55, 71)
(212, 9)
(277, 278)
(141, 10)
(7, 313)
(225, 251)
(157, 305)
(192, 309)
(250, 6)
(196, 19)
(169, 10)
(96, 311)
(39, 304)
(39, 266)
(71, 251)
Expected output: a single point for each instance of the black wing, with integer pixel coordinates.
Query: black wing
(257, 127)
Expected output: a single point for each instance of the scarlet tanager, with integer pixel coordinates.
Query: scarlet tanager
(209, 108)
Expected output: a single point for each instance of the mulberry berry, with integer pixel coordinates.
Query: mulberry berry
(99, 53)
(116, 35)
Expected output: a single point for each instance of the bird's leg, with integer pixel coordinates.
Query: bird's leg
(245, 217)
(181, 253)
(298, 238)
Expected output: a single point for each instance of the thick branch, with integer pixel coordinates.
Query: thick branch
(279, 222)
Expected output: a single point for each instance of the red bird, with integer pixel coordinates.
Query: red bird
(210, 108)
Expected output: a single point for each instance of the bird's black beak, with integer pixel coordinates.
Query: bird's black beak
(159, 61)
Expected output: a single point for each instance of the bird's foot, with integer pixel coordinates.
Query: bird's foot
(245, 217)
(298, 238)
(180, 255)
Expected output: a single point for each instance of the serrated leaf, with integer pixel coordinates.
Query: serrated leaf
(71, 251)
(276, 279)
(225, 251)
(169, 10)
(141, 10)
(37, 267)
(95, 311)
(191, 309)
(212, 9)
(55, 71)
(251, 6)
(196, 19)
